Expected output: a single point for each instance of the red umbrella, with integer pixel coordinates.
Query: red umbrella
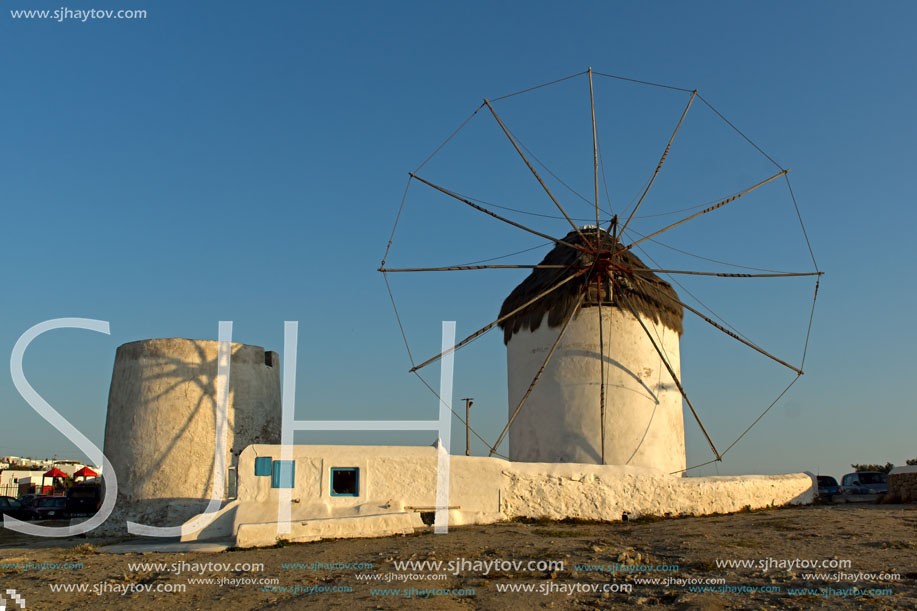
(85, 472)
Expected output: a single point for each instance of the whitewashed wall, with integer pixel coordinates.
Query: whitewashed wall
(397, 483)
(560, 422)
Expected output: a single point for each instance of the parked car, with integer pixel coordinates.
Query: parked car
(827, 486)
(10, 506)
(28, 500)
(50, 507)
(83, 499)
(863, 482)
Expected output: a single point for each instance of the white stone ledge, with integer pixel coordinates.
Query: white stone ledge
(395, 481)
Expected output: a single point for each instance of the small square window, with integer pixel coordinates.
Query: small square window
(282, 474)
(263, 465)
(345, 481)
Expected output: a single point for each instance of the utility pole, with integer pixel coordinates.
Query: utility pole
(468, 403)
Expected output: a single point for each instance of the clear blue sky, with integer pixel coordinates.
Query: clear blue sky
(245, 162)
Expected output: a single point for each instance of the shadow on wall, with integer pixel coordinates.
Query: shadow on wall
(176, 372)
(648, 394)
(643, 391)
(160, 433)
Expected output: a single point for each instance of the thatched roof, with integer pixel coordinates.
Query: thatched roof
(647, 300)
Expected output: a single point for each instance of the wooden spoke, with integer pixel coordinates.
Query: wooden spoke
(487, 328)
(532, 169)
(722, 328)
(665, 154)
(704, 211)
(497, 216)
(467, 267)
(595, 159)
(725, 275)
(598, 248)
(601, 366)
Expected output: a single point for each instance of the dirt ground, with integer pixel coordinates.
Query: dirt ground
(681, 554)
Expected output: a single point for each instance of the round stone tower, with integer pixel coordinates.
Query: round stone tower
(561, 419)
(160, 433)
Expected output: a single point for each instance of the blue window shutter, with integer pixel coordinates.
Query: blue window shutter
(282, 474)
(263, 465)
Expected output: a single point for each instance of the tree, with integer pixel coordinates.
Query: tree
(911, 461)
(888, 467)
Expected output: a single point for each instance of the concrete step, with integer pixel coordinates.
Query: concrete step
(374, 525)
(171, 546)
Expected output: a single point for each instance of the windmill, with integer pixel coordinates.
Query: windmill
(593, 332)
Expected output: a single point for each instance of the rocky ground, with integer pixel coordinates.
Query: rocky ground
(666, 564)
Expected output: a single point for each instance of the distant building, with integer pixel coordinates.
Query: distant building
(14, 481)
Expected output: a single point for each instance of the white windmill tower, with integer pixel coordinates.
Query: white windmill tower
(593, 333)
(578, 350)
